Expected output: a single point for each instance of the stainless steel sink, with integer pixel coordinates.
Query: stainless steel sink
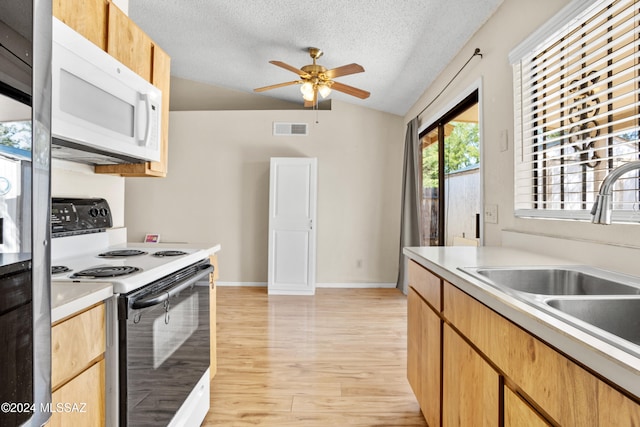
(553, 281)
(620, 317)
(603, 304)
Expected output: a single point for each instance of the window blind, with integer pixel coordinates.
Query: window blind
(577, 114)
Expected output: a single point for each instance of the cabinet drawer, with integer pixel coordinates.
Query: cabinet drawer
(561, 388)
(81, 402)
(427, 284)
(76, 343)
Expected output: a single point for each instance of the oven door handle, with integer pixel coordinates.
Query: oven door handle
(166, 294)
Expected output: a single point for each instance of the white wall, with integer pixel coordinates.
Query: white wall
(218, 185)
(511, 24)
(78, 180)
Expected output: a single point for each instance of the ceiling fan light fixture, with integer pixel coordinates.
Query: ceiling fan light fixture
(324, 90)
(307, 89)
(315, 79)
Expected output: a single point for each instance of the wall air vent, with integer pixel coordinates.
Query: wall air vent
(290, 129)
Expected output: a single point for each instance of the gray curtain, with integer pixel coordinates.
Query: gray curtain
(410, 215)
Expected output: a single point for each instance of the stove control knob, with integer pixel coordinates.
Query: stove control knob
(104, 212)
(93, 212)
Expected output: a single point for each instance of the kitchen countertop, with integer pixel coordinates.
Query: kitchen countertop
(68, 298)
(613, 363)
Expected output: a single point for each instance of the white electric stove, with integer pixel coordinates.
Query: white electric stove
(157, 324)
(128, 266)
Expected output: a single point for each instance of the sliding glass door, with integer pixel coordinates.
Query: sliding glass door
(450, 161)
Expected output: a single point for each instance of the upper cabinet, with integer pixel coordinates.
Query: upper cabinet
(88, 18)
(102, 22)
(128, 43)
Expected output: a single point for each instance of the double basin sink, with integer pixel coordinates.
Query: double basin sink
(603, 304)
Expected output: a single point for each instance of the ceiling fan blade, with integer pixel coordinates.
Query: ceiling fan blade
(262, 89)
(350, 90)
(290, 68)
(345, 70)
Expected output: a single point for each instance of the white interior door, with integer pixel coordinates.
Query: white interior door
(292, 226)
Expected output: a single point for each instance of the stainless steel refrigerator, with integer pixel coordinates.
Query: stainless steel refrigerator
(25, 118)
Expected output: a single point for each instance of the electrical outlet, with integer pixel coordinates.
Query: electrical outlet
(491, 214)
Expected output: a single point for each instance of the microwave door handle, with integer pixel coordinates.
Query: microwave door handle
(147, 131)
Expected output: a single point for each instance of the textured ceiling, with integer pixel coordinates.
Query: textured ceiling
(402, 44)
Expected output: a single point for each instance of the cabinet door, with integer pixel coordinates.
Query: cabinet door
(161, 79)
(471, 387)
(424, 355)
(87, 17)
(518, 413)
(128, 43)
(75, 343)
(81, 402)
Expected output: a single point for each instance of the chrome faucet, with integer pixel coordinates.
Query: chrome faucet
(601, 210)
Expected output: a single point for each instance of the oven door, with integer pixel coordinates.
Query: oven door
(164, 347)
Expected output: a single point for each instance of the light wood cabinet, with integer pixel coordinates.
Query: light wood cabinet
(566, 392)
(471, 387)
(81, 402)
(424, 341)
(481, 347)
(212, 315)
(128, 43)
(87, 17)
(102, 22)
(518, 413)
(78, 345)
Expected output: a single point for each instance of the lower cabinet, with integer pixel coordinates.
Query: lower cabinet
(78, 369)
(471, 387)
(424, 356)
(494, 373)
(80, 402)
(518, 413)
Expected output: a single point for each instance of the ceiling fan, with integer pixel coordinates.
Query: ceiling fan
(315, 79)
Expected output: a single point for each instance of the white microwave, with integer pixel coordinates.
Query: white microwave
(102, 112)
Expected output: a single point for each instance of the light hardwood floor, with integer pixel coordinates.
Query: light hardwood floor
(335, 359)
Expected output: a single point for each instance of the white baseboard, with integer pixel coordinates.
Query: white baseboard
(356, 285)
(346, 285)
(243, 284)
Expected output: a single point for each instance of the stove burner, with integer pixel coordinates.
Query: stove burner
(59, 269)
(101, 272)
(169, 253)
(122, 253)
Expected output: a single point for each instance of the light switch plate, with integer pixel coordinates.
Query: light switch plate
(491, 214)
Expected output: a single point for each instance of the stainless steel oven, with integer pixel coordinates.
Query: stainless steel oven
(164, 345)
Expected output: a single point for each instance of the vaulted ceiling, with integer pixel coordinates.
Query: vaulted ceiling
(402, 44)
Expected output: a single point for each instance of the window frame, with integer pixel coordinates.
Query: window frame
(552, 32)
